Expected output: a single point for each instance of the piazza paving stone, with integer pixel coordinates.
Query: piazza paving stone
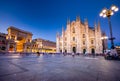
(58, 68)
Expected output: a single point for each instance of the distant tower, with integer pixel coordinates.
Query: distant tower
(100, 47)
(63, 37)
(57, 42)
(77, 18)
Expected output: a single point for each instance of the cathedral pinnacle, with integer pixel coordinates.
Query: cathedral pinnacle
(68, 21)
(57, 34)
(95, 26)
(86, 21)
(99, 26)
(77, 18)
(62, 29)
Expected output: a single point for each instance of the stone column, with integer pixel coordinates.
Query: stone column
(15, 47)
(30, 48)
(24, 48)
(8, 46)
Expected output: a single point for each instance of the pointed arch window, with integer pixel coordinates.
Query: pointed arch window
(83, 42)
(92, 42)
(73, 38)
(83, 35)
(73, 30)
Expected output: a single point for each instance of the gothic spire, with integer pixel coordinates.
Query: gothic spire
(98, 26)
(62, 28)
(68, 20)
(95, 26)
(86, 21)
(77, 18)
(57, 34)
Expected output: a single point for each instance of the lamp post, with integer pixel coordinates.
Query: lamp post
(103, 43)
(108, 13)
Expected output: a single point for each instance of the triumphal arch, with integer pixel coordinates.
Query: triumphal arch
(19, 40)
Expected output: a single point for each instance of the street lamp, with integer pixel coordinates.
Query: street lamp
(103, 38)
(108, 13)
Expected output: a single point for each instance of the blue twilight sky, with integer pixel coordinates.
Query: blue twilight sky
(46, 17)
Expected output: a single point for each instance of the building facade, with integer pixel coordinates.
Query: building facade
(42, 45)
(19, 40)
(79, 38)
(3, 42)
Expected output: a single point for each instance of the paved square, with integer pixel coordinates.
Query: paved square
(58, 68)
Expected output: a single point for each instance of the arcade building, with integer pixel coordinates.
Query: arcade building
(42, 45)
(18, 40)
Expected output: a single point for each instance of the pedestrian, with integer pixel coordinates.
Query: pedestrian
(113, 52)
(85, 54)
(38, 54)
(73, 54)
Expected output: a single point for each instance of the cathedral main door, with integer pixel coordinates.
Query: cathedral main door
(93, 51)
(74, 49)
(84, 50)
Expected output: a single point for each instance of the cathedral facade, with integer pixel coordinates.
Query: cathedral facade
(79, 38)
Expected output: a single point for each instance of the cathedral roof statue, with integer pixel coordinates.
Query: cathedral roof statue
(77, 18)
(68, 21)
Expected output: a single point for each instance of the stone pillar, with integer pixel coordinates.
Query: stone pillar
(68, 38)
(78, 36)
(58, 43)
(87, 44)
(24, 48)
(15, 47)
(8, 46)
(30, 48)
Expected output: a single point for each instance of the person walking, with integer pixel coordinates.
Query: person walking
(113, 52)
(73, 54)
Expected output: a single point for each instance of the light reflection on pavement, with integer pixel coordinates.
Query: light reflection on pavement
(58, 68)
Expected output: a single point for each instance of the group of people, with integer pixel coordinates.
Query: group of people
(111, 54)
